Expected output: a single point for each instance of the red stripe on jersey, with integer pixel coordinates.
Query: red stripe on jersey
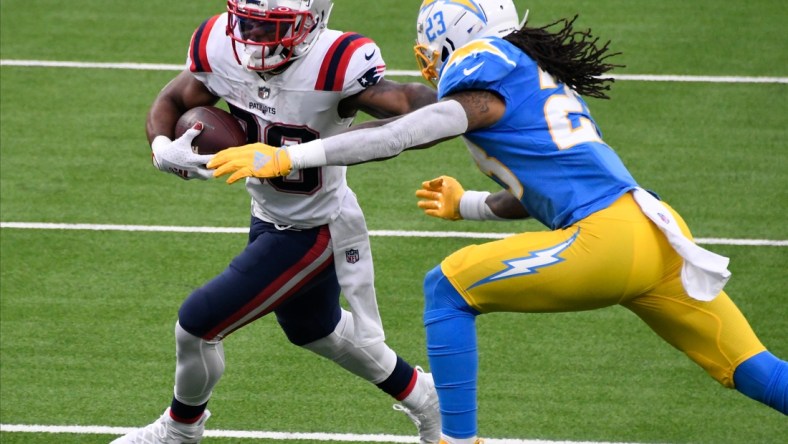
(337, 59)
(198, 47)
(273, 295)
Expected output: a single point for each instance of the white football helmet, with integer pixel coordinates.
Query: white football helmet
(445, 25)
(267, 34)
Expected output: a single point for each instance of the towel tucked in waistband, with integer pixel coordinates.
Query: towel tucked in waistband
(704, 273)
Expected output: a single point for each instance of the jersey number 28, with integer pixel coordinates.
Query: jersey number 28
(305, 181)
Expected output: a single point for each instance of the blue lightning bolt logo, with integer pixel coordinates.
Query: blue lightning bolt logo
(528, 265)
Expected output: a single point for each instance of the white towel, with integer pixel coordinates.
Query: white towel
(704, 273)
(355, 272)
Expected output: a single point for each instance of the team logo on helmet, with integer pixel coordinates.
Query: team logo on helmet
(465, 4)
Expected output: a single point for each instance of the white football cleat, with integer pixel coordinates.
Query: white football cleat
(166, 431)
(424, 410)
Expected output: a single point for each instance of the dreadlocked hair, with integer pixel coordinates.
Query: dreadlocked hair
(572, 57)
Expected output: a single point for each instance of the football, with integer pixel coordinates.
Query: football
(220, 129)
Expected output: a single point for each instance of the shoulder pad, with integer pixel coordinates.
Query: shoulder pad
(198, 47)
(336, 61)
(478, 64)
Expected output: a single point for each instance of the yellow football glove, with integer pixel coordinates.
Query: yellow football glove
(441, 198)
(253, 160)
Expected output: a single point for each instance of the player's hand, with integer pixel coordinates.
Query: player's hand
(441, 198)
(253, 160)
(176, 156)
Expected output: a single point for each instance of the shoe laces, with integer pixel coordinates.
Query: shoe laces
(416, 418)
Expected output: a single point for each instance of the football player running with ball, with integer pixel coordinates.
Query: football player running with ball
(514, 93)
(289, 79)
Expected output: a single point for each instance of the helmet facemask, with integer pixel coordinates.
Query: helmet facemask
(427, 59)
(266, 39)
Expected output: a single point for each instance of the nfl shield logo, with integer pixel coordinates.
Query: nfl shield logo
(351, 256)
(263, 92)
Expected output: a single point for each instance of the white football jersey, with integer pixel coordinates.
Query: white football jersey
(298, 105)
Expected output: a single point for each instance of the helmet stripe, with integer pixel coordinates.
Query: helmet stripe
(198, 47)
(469, 5)
(427, 3)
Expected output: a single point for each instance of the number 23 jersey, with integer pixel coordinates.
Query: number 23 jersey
(296, 106)
(546, 149)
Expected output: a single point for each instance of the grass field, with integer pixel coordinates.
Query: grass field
(86, 317)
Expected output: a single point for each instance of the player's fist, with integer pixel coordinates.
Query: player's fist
(176, 156)
(253, 160)
(440, 197)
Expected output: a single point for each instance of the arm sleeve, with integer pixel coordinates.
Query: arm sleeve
(434, 122)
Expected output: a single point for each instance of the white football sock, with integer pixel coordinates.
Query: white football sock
(420, 394)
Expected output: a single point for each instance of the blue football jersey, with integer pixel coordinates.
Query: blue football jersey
(546, 149)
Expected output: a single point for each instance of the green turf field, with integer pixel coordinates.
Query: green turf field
(86, 317)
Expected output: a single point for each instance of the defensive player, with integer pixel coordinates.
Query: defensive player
(289, 79)
(514, 92)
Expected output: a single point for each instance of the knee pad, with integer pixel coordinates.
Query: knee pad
(199, 365)
(373, 362)
(432, 280)
(441, 299)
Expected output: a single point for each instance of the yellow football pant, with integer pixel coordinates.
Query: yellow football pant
(614, 256)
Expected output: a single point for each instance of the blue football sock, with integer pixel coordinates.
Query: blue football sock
(451, 348)
(764, 378)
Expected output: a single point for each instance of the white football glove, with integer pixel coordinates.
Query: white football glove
(176, 156)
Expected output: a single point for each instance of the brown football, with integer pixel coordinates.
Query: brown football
(220, 129)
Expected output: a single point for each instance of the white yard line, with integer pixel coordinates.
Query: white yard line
(276, 436)
(391, 72)
(376, 233)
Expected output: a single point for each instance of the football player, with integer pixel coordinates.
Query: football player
(289, 79)
(514, 93)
